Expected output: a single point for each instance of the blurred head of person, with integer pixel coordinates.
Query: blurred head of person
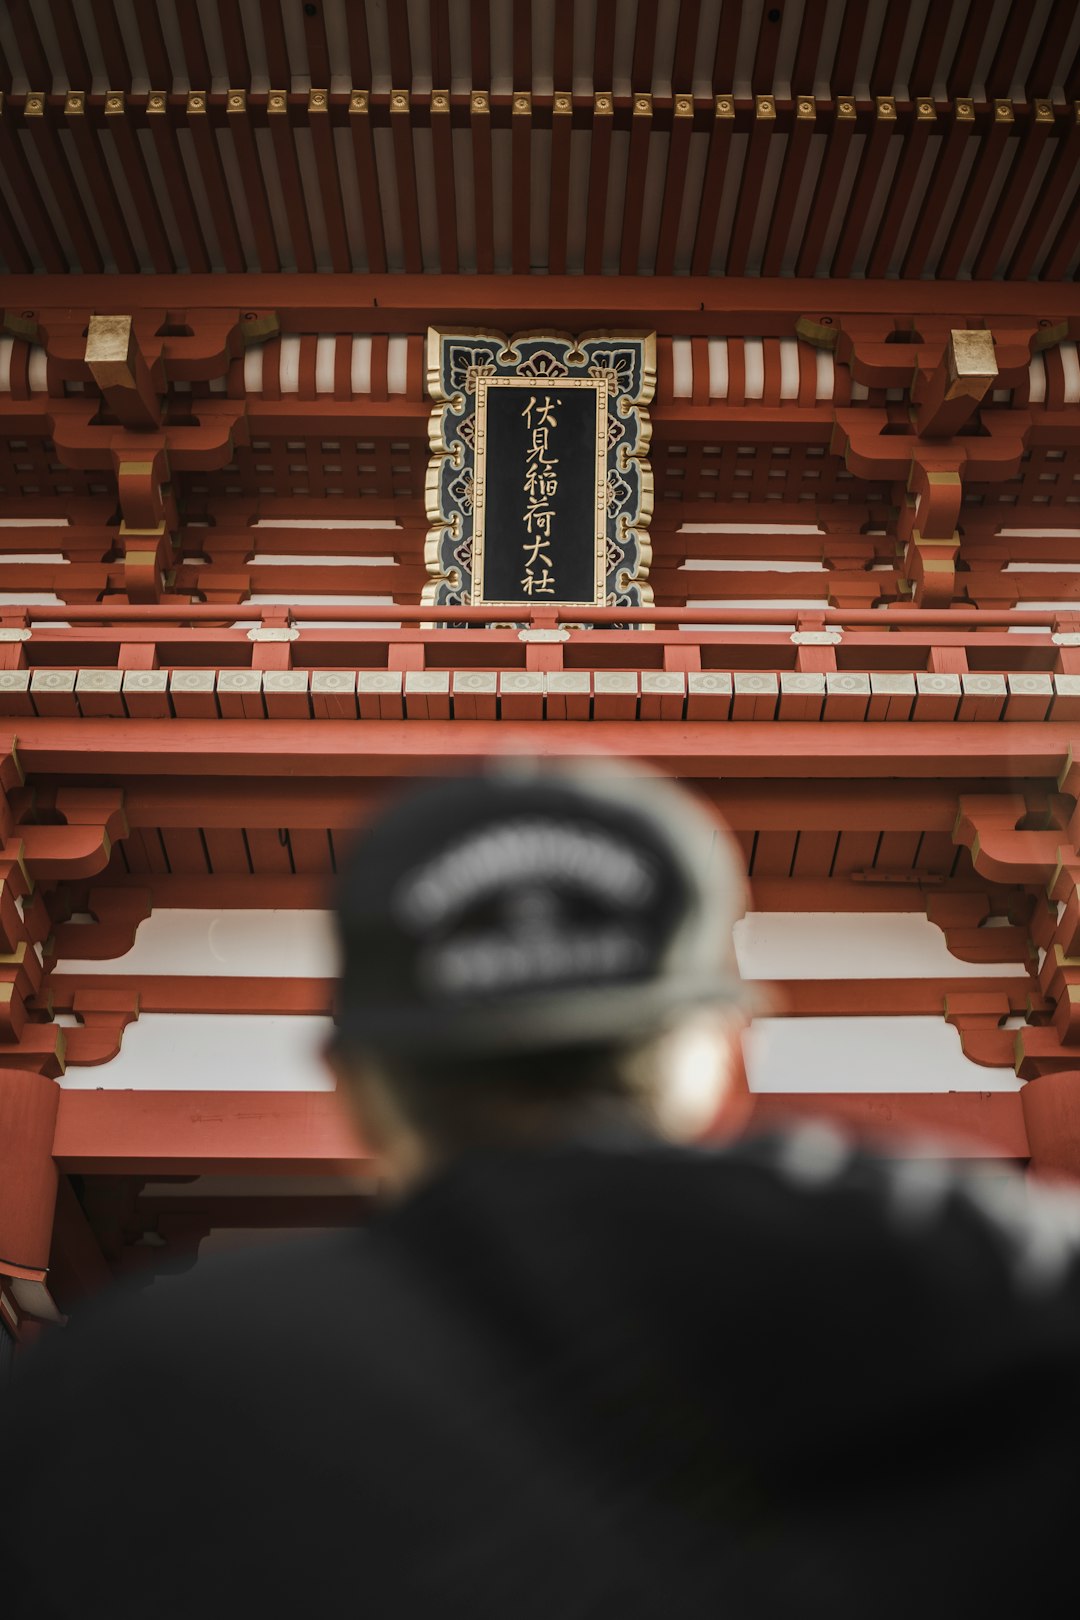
(533, 953)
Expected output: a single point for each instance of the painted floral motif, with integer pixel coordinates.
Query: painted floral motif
(542, 364)
(467, 366)
(461, 491)
(618, 493)
(616, 367)
(467, 431)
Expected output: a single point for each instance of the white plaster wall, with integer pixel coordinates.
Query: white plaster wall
(851, 945)
(276, 944)
(864, 1054)
(251, 1052)
(212, 1052)
(769, 945)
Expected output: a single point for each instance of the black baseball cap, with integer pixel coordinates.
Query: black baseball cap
(526, 907)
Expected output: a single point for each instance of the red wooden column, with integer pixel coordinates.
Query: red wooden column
(1052, 1115)
(28, 1174)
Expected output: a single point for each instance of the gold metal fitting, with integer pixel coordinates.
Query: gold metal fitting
(602, 103)
(642, 106)
(724, 106)
(155, 102)
(399, 101)
(277, 102)
(440, 101)
(806, 107)
(845, 108)
(34, 106)
(1003, 112)
(925, 110)
(522, 102)
(478, 101)
(75, 102)
(318, 100)
(358, 101)
(563, 104)
(764, 107)
(965, 111)
(114, 102)
(886, 107)
(684, 106)
(236, 101)
(196, 101)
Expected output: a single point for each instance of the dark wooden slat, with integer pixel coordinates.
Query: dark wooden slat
(99, 180)
(118, 126)
(848, 46)
(1047, 66)
(359, 49)
(599, 169)
(686, 35)
(809, 47)
(442, 141)
(278, 65)
(483, 193)
(768, 44)
(961, 74)
(1002, 70)
(322, 139)
(180, 197)
(72, 48)
(1064, 248)
(318, 50)
(14, 165)
(367, 179)
(641, 63)
(6, 78)
(749, 199)
(397, 27)
(291, 186)
(1033, 239)
(827, 187)
(604, 45)
(405, 170)
(887, 55)
(14, 253)
(986, 165)
(234, 41)
(562, 53)
(728, 31)
(111, 41)
(634, 194)
(439, 26)
(222, 214)
(559, 196)
(254, 182)
(1016, 194)
(682, 127)
(194, 45)
(712, 187)
(521, 46)
(521, 182)
(148, 22)
(25, 29)
(918, 132)
(875, 154)
(789, 188)
(924, 68)
(67, 192)
(480, 41)
(958, 131)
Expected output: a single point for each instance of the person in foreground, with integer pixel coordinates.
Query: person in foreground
(575, 1368)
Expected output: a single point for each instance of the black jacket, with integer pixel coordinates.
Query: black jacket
(586, 1382)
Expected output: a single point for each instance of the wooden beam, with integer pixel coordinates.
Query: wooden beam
(274, 1133)
(359, 748)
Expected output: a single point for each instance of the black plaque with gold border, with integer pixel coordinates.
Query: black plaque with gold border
(539, 489)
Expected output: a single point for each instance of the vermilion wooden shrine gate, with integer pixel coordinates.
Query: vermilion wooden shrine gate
(854, 230)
